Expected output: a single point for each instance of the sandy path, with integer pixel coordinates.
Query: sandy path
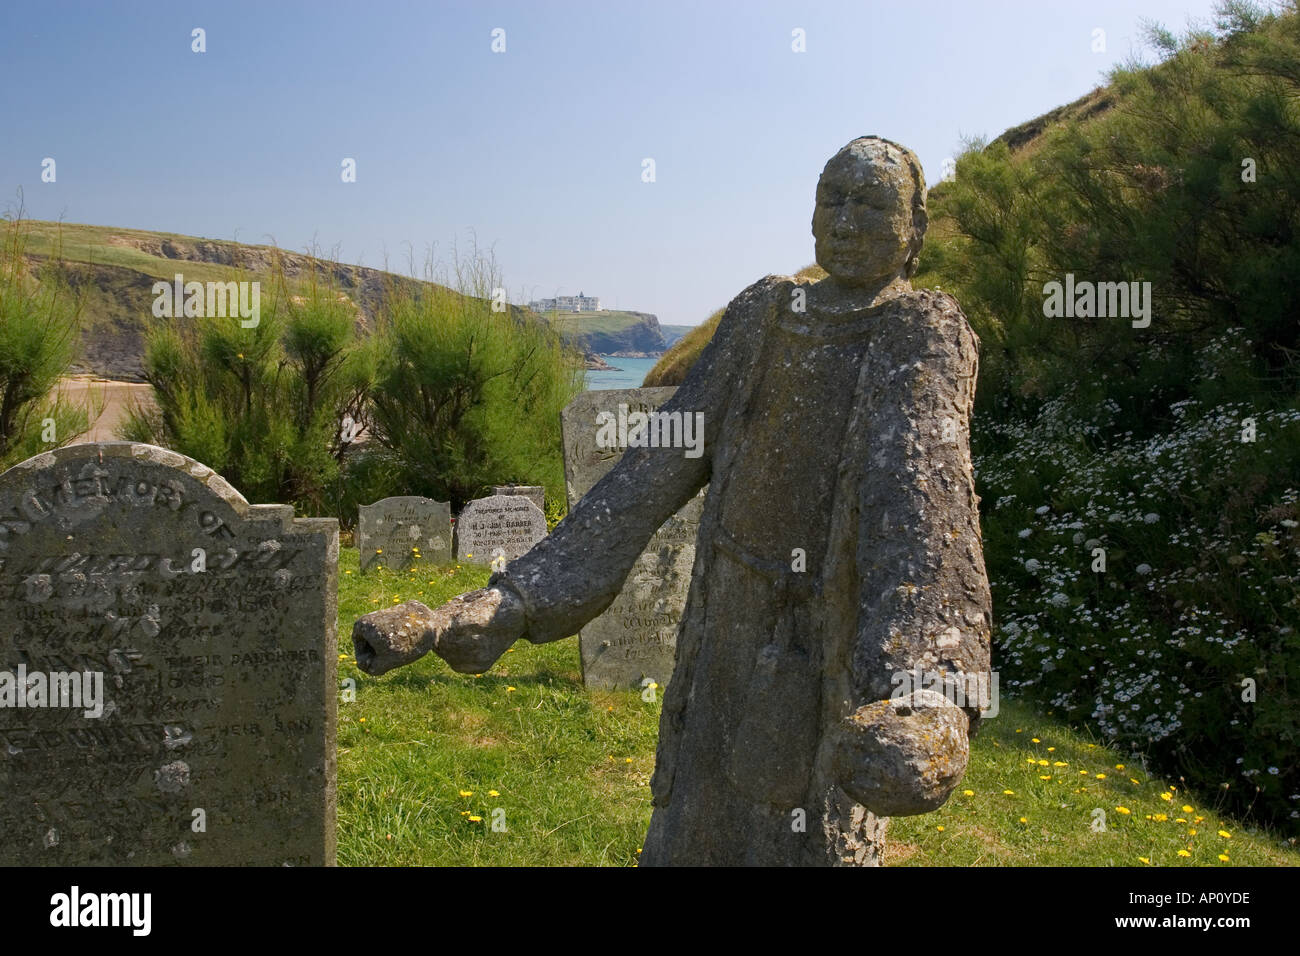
(117, 397)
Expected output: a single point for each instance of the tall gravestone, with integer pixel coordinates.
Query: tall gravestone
(499, 526)
(399, 532)
(208, 625)
(635, 639)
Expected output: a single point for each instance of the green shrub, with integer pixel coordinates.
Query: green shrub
(38, 326)
(264, 405)
(466, 397)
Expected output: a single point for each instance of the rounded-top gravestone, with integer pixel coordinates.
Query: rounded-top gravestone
(167, 666)
(398, 532)
(497, 528)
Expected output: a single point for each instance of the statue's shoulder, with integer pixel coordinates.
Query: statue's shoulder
(751, 309)
(760, 294)
(932, 300)
(936, 313)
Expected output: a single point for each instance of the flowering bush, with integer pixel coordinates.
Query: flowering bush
(1148, 585)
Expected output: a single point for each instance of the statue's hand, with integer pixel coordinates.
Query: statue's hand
(469, 632)
(478, 628)
(903, 756)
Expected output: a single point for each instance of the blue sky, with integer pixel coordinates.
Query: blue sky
(536, 151)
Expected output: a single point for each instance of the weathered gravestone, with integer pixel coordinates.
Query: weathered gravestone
(498, 526)
(167, 666)
(534, 493)
(635, 639)
(398, 532)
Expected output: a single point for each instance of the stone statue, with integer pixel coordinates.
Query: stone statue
(838, 554)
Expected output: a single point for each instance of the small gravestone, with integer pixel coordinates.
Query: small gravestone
(167, 667)
(399, 532)
(635, 639)
(534, 493)
(501, 526)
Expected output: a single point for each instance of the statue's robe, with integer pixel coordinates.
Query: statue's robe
(846, 436)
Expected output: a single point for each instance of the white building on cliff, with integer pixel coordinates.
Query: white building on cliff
(566, 303)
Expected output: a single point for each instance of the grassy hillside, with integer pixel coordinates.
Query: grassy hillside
(610, 331)
(114, 268)
(674, 332)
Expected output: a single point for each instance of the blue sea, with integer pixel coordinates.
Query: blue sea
(632, 375)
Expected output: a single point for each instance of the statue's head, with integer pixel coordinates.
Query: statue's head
(870, 217)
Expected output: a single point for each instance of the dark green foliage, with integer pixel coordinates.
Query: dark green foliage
(1092, 433)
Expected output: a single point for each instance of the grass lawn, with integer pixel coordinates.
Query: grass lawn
(429, 759)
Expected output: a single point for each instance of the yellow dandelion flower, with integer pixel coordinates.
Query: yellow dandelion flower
(1019, 731)
(968, 793)
(1009, 793)
(1180, 820)
(939, 828)
(1166, 796)
(1186, 808)
(1044, 776)
(1223, 857)
(1198, 819)
(1050, 749)
(475, 819)
(1132, 780)
(1060, 763)
(1143, 859)
(1183, 853)
(494, 793)
(1225, 834)
(1124, 810)
(467, 793)
(1101, 776)
(1042, 763)
(1160, 817)
(1119, 766)
(1036, 740)
(627, 759)
(363, 720)
(1023, 820)
(510, 690)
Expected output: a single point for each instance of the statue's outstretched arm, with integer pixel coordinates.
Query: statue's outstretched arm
(918, 661)
(576, 571)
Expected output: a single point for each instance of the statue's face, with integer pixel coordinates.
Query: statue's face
(863, 222)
